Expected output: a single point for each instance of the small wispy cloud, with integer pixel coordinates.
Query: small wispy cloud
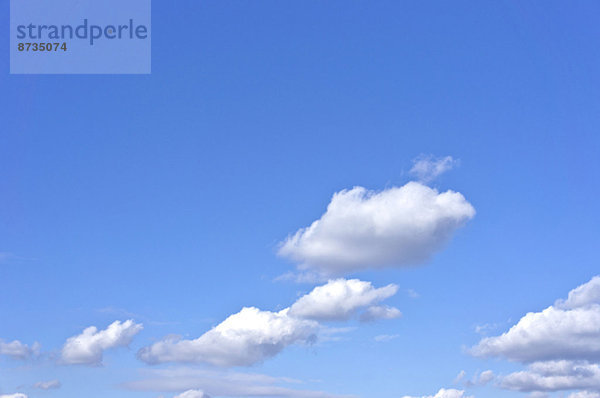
(382, 338)
(478, 379)
(47, 385)
(427, 168)
(223, 384)
(300, 277)
(485, 328)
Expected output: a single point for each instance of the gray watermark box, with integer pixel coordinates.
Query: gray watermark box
(80, 37)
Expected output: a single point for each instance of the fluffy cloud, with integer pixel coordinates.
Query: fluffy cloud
(582, 296)
(47, 385)
(17, 395)
(364, 229)
(427, 168)
(242, 339)
(88, 347)
(554, 376)
(192, 394)
(17, 350)
(444, 393)
(340, 299)
(222, 384)
(568, 330)
(561, 344)
(253, 335)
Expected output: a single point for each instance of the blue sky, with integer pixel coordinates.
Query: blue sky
(165, 199)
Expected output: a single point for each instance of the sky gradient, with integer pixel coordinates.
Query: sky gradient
(448, 151)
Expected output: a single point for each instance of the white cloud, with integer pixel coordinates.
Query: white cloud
(444, 393)
(222, 384)
(48, 385)
(570, 330)
(554, 376)
(560, 343)
(17, 350)
(16, 395)
(253, 335)
(88, 347)
(364, 229)
(192, 394)
(581, 296)
(427, 168)
(242, 339)
(340, 299)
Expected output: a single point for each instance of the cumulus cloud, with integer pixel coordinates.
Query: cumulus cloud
(222, 384)
(17, 350)
(242, 339)
(554, 376)
(88, 347)
(340, 299)
(560, 344)
(568, 330)
(192, 394)
(253, 335)
(17, 395)
(364, 229)
(444, 393)
(428, 168)
(47, 385)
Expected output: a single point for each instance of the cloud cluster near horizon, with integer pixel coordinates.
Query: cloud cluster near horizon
(560, 345)
(360, 230)
(363, 229)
